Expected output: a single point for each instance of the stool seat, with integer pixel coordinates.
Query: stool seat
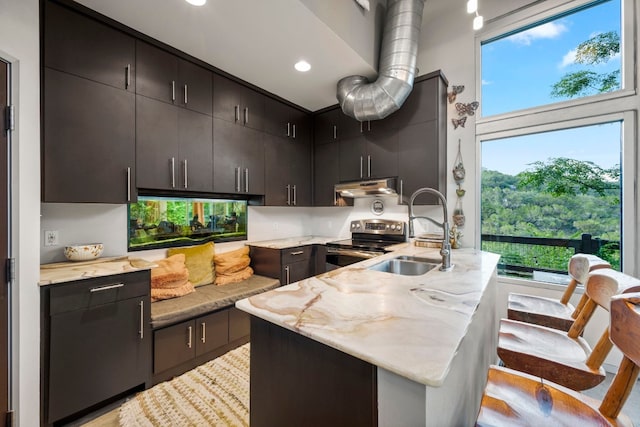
(548, 353)
(541, 311)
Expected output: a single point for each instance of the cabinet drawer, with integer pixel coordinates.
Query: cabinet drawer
(213, 331)
(299, 253)
(82, 294)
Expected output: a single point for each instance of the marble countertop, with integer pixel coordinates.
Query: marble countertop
(409, 325)
(291, 242)
(62, 272)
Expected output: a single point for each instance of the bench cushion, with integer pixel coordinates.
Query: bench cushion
(207, 299)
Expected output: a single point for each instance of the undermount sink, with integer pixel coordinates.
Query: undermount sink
(405, 265)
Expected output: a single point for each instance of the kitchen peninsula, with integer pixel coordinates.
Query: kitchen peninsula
(356, 346)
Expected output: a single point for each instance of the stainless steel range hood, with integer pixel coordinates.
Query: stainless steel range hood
(371, 188)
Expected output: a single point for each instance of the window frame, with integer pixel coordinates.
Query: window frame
(620, 105)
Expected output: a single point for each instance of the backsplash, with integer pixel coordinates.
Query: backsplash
(107, 224)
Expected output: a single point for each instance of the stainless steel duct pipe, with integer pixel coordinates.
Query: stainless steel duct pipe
(363, 100)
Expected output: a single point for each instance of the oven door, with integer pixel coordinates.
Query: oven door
(341, 257)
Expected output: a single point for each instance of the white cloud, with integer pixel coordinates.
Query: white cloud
(550, 30)
(569, 58)
(486, 82)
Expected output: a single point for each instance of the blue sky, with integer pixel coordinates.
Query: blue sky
(518, 72)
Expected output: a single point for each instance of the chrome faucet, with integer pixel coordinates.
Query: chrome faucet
(445, 250)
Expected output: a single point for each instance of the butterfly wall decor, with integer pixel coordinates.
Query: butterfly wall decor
(459, 122)
(455, 90)
(467, 109)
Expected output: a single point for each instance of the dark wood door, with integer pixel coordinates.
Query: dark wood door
(231, 144)
(227, 97)
(157, 156)
(326, 127)
(296, 271)
(382, 154)
(352, 158)
(253, 112)
(213, 331)
(174, 345)
(277, 118)
(89, 141)
(326, 174)
(195, 141)
(277, 160)
(300, 170)
(195, 90)
(4, 244)
(81, 46)
(157, 73)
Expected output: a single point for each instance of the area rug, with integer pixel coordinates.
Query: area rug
(213, 394)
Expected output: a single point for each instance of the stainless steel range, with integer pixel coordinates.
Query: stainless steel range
(369, 238)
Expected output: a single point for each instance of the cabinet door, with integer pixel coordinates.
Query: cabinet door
(352, 158)
(422, 159)
(253, 111)
(213, 331)
(300, 171)
(196, 151)
(81, 46)
(325, 127)
(95, 354)
(296, 271)
(157, 73)
(238, 159)
(277, 118)
(382, 154)
(326, 174)
(89, 141)
(277, 164)
(174, 345)
(424, 103)
(239, 324)
(227, 96)
(157, 156)
(195, 90)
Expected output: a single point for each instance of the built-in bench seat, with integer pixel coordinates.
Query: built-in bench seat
(207, 299)
(200, 326)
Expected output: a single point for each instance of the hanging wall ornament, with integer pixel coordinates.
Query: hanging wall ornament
(458, 214)
(458, 167)
(455, 90)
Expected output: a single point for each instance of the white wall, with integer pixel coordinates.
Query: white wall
(19, 44)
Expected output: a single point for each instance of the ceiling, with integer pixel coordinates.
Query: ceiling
(259, 41)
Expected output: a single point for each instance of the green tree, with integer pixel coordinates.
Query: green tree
(598, 49)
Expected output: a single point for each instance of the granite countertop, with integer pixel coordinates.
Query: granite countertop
(291, 242)
(62, 272)
(409, 325)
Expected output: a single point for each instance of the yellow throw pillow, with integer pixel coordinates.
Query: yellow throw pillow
(233, 261)
(199, 261)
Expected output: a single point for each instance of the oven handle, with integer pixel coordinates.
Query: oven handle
(354, 253)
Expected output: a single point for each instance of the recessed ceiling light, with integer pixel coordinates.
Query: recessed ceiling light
(472, 6)
(302, 66)
(196, 2)
(478, 22)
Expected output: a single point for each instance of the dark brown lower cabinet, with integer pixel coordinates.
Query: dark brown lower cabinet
(288, 265)
(296, 381)
(97, 342)
(185, 345)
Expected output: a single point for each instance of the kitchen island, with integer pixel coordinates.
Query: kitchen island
(357, 346)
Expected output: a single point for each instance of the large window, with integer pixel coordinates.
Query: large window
(160, 222)
(571, 55)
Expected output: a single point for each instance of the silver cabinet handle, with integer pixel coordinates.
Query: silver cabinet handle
(335, 198)
(127, 81)
(107, 287)
(401, 192)
(141, 332)
(288, 195)
(189, 342)
(204, 332)
(173, 172)
(186, 98)
(173, 90)
(237, 179)
(368, 166)
(288, 129)
(294, 131)
(246, 180)
(360, 166)
(128, 184)
(294, 195)
(361, 128)
(294, 253)
(246, 115)
(369, 125)
(288, 275)
(186, 174)
(237, 112)
(335, 132)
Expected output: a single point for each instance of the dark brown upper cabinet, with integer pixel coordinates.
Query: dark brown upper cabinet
(287, 171)
(87, 48)
(237, 103)
(174, 147)
(88, 141)
(168, 78)
(373, 154)
(285, 121)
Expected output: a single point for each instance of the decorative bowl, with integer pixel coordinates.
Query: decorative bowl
(84, 252)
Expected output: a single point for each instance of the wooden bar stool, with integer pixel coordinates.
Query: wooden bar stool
(513, 398)
(565, 357)
(550, 312)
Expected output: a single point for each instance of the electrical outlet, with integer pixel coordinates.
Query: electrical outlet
(51, 237)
